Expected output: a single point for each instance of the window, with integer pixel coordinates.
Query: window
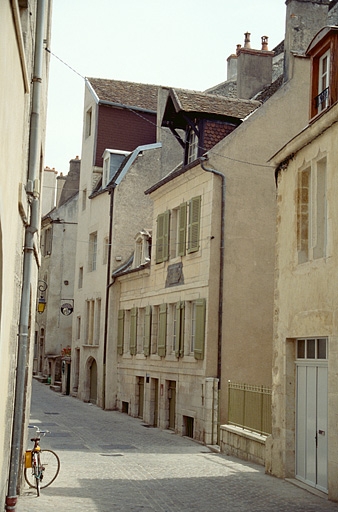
(172, 328)
(92, 251)
(142, 248)
(312, 348)
(112, 161)
(105, 250)
(192, 146)
(147, 330)
(162, 330)
(88, 126)
(133, 332)
(97, 324)
(194, 224)
(312, 212)
(154, 329)
(178, 227)
(90, 322)
(84, 199)
(140, 330)
(78, 327)
(322, 100)
(47, 242)
(80, 282)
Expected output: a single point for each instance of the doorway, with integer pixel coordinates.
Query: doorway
(140, 396)
(154, 402)
(312, 413)
(93, 382)
(172, 403)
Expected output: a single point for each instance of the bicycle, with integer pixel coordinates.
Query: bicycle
(41, 466)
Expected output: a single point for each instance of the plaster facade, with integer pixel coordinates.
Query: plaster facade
(165, 389)
(306, 297)
(17, 40)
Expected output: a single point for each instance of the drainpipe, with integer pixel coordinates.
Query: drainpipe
(108, 285)
(28, 261)
(202, 160)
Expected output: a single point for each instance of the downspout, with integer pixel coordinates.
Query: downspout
(221, 269)
(28, 260)
(108, 284)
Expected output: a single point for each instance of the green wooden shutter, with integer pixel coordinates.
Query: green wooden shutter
(147, 331)
(194, 224)
(199, 329)
(133, 331)
(162, 237)
(162, 331)
(179, 329)
(120, 331)
(182, 229)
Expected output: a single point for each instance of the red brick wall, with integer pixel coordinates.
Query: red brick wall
(214, 131)
(123, 129)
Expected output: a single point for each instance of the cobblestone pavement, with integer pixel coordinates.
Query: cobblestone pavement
(112, 462)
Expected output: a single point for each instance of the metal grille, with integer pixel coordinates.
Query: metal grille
(250, 407)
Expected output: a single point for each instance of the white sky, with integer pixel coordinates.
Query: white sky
(179, 43)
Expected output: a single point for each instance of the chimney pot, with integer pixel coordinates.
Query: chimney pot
(247, 40)
(265, 43)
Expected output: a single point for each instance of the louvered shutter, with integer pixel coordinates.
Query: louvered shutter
(162, 237)
(182, 229)
(120, 331)
(162, 335)
(199, 329)
(194, 224)
(147, 331)
(133, 331)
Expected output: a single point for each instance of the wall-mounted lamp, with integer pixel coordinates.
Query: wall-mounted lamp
(42, 286)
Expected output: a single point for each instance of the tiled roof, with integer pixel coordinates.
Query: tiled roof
(131, 94)
(191, 101)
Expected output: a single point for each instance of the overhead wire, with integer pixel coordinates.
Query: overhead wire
(127, 107)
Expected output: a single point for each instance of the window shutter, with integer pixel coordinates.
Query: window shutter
(147, 331)
(200, 329)
(182, 229)
(133, 331)
(162, 237)
(120, 331)
(179, 329)
(161, 346)
(194, 224)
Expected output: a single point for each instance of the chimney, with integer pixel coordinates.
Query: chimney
(71, 184)
(254, 68)
(232, 66)
(304, 18)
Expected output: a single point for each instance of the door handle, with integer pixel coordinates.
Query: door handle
(321, 432)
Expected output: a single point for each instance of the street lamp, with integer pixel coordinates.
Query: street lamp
(42, 286)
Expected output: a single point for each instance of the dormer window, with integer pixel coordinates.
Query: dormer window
(112, 160)
(323, 51)
(142, 248)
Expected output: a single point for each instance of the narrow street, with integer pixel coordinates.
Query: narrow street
(112, 462)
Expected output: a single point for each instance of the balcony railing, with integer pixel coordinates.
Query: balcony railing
(321, 101)
(249, 407)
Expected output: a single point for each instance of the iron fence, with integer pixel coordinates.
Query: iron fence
(249, 407)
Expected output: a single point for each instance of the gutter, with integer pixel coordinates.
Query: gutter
(202, 161)
(32, 191)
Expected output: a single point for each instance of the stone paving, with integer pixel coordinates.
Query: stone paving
(112, 462)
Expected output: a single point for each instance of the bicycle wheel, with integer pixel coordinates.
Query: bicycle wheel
(50, 464)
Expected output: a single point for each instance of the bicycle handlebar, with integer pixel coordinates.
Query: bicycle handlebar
(38, 431)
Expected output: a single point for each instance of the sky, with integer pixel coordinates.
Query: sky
(176, 43)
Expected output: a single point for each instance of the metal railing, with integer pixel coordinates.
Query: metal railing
(321, 101)
(249, 407)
